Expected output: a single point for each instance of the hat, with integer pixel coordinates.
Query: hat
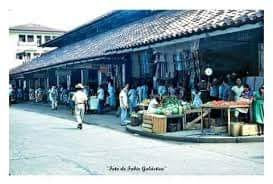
(79, 86)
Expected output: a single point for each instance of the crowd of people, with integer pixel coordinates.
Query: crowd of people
(227, 88)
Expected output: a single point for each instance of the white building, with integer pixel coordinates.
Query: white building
(25, 41)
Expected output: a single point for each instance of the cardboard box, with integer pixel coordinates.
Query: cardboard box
(249, 129)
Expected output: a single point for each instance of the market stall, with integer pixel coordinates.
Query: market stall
(224, 105)
(169, 116)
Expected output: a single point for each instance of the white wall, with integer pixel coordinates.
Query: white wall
(30, 47)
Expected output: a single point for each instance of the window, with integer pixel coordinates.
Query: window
(39, 39)
(30, 38)
(22, 38)
(19, 56)
(47, 38)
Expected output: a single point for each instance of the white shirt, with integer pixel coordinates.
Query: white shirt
(152, 106)
(100, 94)
(123, 99)
(79, 97)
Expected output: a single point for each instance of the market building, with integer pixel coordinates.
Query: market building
(150, 45)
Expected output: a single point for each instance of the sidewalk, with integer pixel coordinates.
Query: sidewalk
(195, 136)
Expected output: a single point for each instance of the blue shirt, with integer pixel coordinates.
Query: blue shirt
(100, 94)
(224, 91)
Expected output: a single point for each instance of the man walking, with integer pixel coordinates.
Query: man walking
(80, 100)
(53, 97)
(123, 101)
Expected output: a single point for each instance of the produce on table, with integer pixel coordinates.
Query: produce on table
(172, 106)
(228, 103)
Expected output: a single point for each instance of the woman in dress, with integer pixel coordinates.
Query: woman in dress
(144, 91)
(132, 96)
(112, 95)
(258, 109)
(197, 101)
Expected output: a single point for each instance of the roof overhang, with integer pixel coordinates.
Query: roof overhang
(102, 60)
(191, 38)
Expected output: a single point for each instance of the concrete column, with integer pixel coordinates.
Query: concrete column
(29, 83)
(68, 80)
(19, 83)
(99, 77)
(24, 84)
(123, 75)
(82, 76)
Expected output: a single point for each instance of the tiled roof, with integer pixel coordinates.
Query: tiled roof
(34, 27)
(166, 25)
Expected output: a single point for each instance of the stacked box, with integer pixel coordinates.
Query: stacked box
(154, 123)
(249, 129)
(147, 123)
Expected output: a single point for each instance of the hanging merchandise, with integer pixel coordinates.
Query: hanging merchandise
(195, 55)
(178, 61)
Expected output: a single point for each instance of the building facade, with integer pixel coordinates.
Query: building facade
(26, 39)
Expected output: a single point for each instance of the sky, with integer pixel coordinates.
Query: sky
(64, 20)
(68, 14)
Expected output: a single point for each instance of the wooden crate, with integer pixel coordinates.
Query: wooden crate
(159, 124)
(147, 118)
(145, 125)
(249, 129)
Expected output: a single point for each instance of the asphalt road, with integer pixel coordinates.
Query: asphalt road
(44, 144)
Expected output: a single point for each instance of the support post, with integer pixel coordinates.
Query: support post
(123, 74)
(68, 80)
(58, 79)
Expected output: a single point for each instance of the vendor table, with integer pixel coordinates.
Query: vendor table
(225, 107)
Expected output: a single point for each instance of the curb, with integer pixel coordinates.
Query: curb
(197, 138)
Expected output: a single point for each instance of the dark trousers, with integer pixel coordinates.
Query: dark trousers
(100, 106)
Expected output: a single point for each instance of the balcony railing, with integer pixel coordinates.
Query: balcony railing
(32, 44)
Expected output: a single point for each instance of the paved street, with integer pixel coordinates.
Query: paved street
(46, 142)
